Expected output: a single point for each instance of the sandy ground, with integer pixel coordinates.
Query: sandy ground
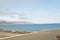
(43, 35)
(5, 34)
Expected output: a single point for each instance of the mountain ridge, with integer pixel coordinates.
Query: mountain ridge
(15, 22)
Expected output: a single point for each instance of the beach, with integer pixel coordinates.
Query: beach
(40, 35)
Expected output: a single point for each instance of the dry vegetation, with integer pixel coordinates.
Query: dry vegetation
(18, 31)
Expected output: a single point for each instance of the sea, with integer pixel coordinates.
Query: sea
(30, 27)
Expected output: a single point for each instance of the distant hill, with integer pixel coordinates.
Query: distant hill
(14, 22)
(19, 22)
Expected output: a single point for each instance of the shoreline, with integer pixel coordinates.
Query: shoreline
(38, 34)
(43, 35)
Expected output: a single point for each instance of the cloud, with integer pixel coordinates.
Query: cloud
(6, 14)
(35, 16)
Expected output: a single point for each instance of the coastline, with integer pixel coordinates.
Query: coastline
(38, 35)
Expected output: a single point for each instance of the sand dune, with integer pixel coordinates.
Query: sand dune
(43, 35)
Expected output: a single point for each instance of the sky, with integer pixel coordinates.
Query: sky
(35, 11)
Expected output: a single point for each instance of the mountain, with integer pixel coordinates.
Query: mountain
(14, 22)
(19, 22)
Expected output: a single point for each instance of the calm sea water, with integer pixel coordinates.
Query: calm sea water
(31, 27)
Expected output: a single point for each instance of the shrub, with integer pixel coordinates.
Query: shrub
(21, 32)
(18, 31)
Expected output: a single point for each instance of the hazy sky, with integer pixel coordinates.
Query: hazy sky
(36, 11)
